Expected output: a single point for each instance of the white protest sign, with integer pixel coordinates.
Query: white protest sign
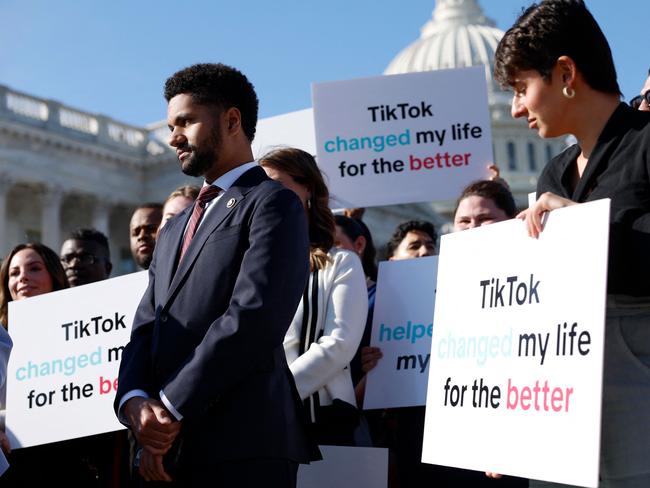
(516, 367)
(403, 138)
(293, 129)
(346, 467)
(63, 369)
(401, 327)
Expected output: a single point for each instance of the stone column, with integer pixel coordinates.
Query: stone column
(3, 98)
(51, 217)
(6, 182)
(101, 216)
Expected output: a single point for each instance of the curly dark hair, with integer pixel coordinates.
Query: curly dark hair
(492, 190)
(150, 205)
(302, 167)
(554, 28)
(406, 227)
(219, 85)
(52, 264)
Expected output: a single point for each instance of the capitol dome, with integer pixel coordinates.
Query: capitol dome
(458, 35)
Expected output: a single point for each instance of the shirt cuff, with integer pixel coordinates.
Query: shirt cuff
(169, 406)
(127, 396)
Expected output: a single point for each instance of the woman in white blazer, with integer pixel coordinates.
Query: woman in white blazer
(329, 322)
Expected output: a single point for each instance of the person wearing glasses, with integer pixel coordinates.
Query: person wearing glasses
(642, 101)
(559, 64)
(85, 257)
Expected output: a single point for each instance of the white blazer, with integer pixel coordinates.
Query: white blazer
(342, 307)
(5, 350)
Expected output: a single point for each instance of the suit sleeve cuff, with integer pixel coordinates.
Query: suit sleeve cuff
(169, 406)
(127, 396)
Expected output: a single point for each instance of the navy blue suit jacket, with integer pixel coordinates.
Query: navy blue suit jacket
(209, 330)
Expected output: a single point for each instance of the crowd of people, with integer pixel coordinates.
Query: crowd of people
(33, 269)
(254, 264)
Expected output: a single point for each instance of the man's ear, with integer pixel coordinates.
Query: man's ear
(233, 120)
(360, 244)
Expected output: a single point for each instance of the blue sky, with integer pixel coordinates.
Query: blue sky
(112, 57)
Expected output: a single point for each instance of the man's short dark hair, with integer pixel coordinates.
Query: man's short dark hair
(493, 190)
(93, 235)
(219, 85)
(149, 205)
(554, 28)
(409, 226)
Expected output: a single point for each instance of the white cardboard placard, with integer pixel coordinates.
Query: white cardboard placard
(519, 328)
(402, 326)
(66, 356)
(403, 138)
(293, 129)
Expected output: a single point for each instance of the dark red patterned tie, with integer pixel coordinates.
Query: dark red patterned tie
(206, 194)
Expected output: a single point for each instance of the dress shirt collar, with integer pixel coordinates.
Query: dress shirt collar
(226, 180)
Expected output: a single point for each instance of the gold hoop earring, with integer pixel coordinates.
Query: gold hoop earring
(568, 92)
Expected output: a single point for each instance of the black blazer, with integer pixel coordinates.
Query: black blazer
(209, 333)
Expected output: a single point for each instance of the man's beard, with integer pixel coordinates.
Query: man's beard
(200, 160)
(144, 260)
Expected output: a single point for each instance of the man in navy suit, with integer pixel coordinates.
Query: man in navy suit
(204, 383)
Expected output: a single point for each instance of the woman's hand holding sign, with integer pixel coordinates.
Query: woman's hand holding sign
(534, 215)
(369, 358)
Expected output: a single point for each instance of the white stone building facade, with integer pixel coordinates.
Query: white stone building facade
(460, 35)
(62, 168)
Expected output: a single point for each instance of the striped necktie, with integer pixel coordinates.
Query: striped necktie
(206, 194)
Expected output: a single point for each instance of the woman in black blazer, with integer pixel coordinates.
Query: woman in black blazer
(558, 62)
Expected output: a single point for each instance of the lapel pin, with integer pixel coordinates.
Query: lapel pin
(231, 203)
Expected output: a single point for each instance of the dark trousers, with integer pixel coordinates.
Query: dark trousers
(88, 462)
(249, 473)
(408, 431)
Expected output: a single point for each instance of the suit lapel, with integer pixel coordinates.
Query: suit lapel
(211, 222)
(230, 200)
(170, 246)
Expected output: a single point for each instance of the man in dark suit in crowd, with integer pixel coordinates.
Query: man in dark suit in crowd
(204, 378)
(142, 232)
(98, 460)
